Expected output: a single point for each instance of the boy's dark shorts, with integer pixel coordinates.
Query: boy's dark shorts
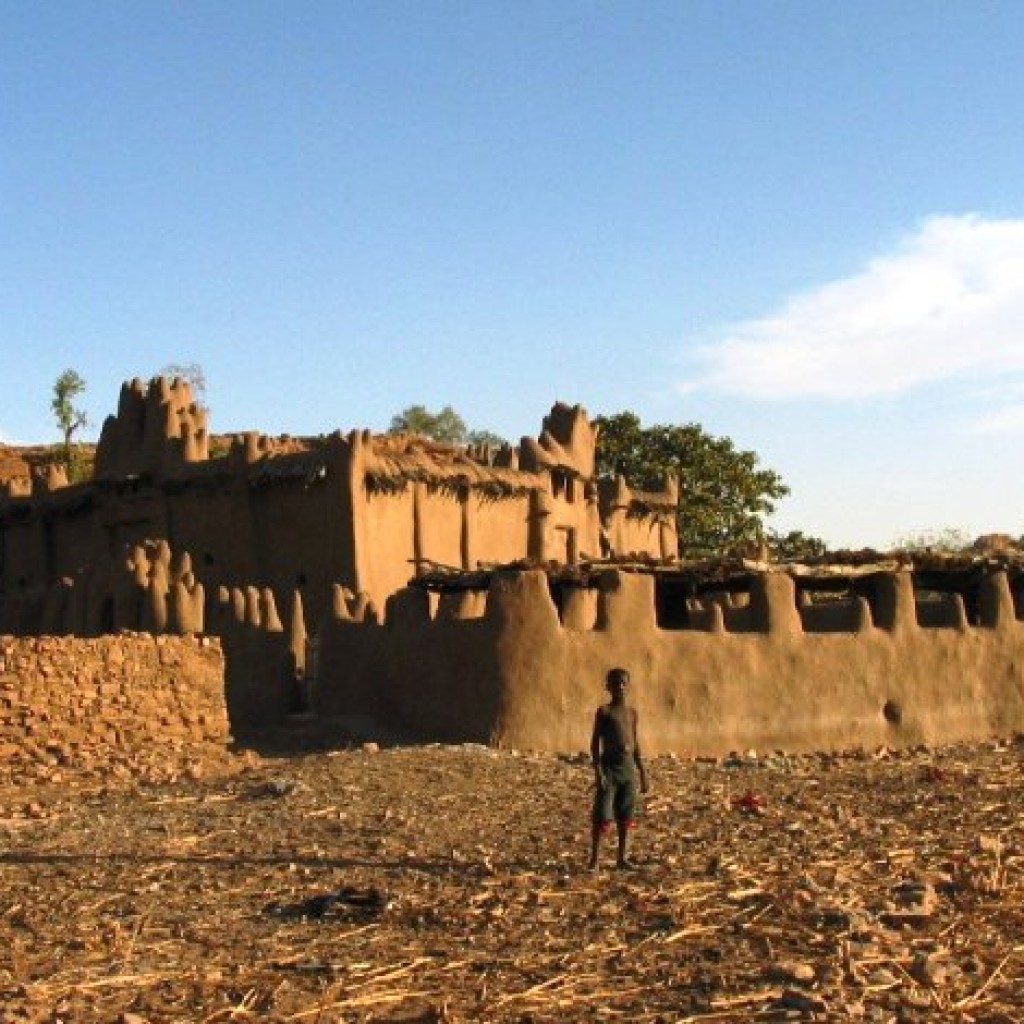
(618, 799)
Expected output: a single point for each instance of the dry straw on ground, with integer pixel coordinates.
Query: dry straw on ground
(447, 884)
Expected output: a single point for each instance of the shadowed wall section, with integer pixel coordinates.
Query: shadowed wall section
(415, 676)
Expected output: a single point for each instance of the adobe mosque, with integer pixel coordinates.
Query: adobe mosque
(402, 587)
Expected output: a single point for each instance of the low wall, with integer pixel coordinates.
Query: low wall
(113, 703)
(525, 674)
(512, 667)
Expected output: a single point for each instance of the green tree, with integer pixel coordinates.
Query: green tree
(446, 426)
(724, 493)
(487, 437)
(66, 388)
(795, 545)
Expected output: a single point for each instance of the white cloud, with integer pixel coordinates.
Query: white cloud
(1007, 420)
(947, 305)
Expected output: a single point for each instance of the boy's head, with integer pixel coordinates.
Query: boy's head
(616, 681)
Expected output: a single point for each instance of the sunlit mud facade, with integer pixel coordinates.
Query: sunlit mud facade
(515, 666)
(394, 587)
(365, 511)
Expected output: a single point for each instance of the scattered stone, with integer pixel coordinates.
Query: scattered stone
(480, 855)
(794, 999)
(277, 787)
(931, 969)
(791, 970)
(832, 916)
(882, 977)
(914, 904)
(916, 999)
(989, 844)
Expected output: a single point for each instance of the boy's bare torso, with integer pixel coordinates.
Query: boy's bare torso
(616, 729)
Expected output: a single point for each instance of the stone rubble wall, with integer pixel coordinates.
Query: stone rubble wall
(121, 704)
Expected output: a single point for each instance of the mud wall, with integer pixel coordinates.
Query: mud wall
(638, 534)
(22, 549)
(264, 658)
(890, 681)
(497, 531)
(98, 703)
(386, 542)
(525, 673)
(286, 513)
(427, 674)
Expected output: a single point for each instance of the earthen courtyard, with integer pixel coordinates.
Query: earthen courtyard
(446, 883)
(218, 801)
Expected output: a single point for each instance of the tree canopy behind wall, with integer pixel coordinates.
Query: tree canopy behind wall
(724, 493)
(446, 426)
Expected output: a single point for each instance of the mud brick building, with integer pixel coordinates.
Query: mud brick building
(395, 586)
(363, 510)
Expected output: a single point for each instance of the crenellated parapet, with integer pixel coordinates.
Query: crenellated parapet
(43, 480)
(568, 441)
(631, 602)
(50, 478)
(159, 590)
(252, 447)
(347, 606)
(640, 522)
(147, 591)
(16, 487)
(158, 430)
(266, 656)
(765, 668)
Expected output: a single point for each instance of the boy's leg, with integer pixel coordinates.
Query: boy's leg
(596, 831)
(624, 829)
(601, 822)
(625, 819)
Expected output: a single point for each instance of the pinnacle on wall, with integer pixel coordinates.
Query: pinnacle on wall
(157, 430)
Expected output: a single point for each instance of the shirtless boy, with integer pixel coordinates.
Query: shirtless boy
(615, 753)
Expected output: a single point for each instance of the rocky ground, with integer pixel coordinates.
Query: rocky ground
(447, 884)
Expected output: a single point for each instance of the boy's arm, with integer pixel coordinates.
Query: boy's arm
(637, 755)
(595, 751)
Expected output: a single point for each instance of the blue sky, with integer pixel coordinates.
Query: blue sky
(800, 224)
